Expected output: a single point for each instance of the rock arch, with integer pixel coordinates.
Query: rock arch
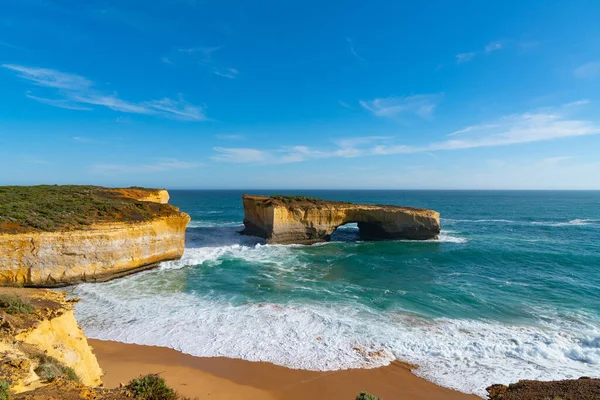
(301, 220)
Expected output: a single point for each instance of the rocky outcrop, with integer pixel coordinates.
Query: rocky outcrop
(47, 333)
(583, 388)
(301, 220)
(98, 252)
(153, 195)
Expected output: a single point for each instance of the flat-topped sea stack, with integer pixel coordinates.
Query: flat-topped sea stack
(59, 235)
(303, 220)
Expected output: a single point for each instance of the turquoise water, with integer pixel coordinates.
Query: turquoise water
(510, 290)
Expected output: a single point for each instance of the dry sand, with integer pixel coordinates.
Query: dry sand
(224, 378)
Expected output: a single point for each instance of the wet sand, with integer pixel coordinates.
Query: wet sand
(225, 378)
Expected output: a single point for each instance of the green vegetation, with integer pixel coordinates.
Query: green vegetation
(4, 390)
(293, 200)
(151, 387)
(49, 368)
(12, 304)
(367, 396)
(50, 208)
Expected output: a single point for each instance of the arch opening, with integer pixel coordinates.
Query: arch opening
(347, 232)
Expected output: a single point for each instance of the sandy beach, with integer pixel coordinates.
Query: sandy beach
(223, 378)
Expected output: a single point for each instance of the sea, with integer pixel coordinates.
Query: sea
(510, 290)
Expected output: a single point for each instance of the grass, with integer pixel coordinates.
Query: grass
(14, 305)
(4, 390)
(47, 208)
(297, 200)
(49, 368)
(367, 396)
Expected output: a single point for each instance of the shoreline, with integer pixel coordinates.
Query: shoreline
(226, 378)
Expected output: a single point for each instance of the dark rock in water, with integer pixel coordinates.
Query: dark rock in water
(583, 388)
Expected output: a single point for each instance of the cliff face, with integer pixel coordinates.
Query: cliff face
(304, 221)
(99, 252)
(28, 340)
(104, 252)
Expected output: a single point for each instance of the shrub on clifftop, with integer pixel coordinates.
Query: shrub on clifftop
(4, 390)
(12, 304)
(49, 368)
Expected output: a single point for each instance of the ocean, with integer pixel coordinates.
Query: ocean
(510, 290)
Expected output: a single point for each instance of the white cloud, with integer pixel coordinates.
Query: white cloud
(589, 70)
(493, 46)
(509, 130)
(489, 48)
(529, 127)
(230, 137)
(166, 60)
(345, 105)
(240, 155)
(353, 51)
(356, 141)
(60, 103)
(76, 92)
(51, 78)
(556, 160)
(464, 57)
(82, 139)
(421, 105)
(204, 57)
(162, 165)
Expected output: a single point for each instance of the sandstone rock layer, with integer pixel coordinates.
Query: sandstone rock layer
(101, 252)
(289, 220)
(49, 331)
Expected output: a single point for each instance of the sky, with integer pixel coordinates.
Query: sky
(291, 95)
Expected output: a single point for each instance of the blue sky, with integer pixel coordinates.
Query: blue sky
(278, 94)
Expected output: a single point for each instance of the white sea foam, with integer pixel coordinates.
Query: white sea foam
(446, 237)
(573, 222)
(478, 221)
(152, 308)
(461, 354)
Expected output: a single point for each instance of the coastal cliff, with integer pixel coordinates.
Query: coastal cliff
(40, 341)
(301, 220)
(104, 234)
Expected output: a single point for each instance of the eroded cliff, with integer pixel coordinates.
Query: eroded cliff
(117, 235)
(40, 341)
(286, 220)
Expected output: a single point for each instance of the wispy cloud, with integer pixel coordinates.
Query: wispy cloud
(529, 127)
(493, 46)
(241, 155)
(230, 137)
(421, 105)
(82, 139)
(353, 50)
(589, 70)
(11, 46)
(166, 60)
(204, 57)
(60, 103)
(464, 57)
(161, 165)
(345, 105)
(76, 92)
(51, 78)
